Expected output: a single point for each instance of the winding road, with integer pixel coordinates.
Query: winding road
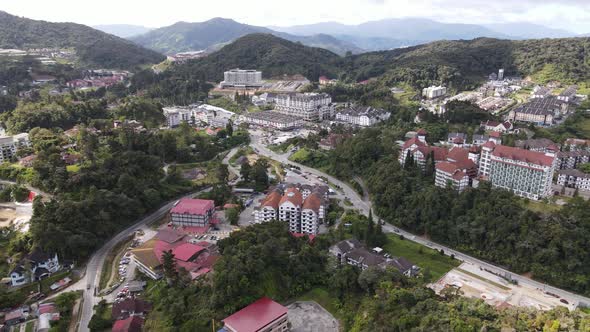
(364, 206)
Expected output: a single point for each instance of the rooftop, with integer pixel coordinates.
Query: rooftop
(193, 206)
(255, 316)
(522, 155)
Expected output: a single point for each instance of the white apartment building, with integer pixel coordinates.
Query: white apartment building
(309, 106)
(573, 178)
(526, 173)
(192, 115)
(364, 116)
(448, 172)
(240, 78)
(290, 209)
(272, 119)
(434, 92)
(9, 145)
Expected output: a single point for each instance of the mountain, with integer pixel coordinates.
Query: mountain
(525, 30)
(94, 48)
(214, 33)
(272, 55)
(123, 30)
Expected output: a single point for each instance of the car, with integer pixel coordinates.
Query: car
(87, 286)
(564, 301)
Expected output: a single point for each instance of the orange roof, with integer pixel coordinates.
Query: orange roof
(412, 141)
(292, 195)
(313, 202)
(272, 200)
(528, 156)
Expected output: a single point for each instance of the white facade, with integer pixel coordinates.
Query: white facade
(9, 145)
(362, 116)
(434, 92)
(290, 213)
(309, 106)
(195, 114)
(458, 179)
(272, 119)
(240, 78)
(574, 179)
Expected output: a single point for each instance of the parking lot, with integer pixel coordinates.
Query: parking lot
(308, 316)
(496, 291)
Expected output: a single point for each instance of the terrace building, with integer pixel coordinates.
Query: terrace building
(576, 144)
(572, 159)
(573, 178)
(308, 106)
(272, 119)
(364, 116)
(539, 145)
(540, 111)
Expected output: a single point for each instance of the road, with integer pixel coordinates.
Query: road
(365, 206)
(96, 262)
(230, 167)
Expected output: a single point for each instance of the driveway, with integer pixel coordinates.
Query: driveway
(308, 316)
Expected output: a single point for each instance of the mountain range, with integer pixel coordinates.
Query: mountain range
(337, 37)
(93, 47)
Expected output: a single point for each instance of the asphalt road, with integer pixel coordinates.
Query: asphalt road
(365, 206)
(97, 260)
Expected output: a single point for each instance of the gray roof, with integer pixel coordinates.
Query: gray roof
(574, 172)
(363, 110)
(534, 143)
(365, 257)
(348, 245)
(400, 263)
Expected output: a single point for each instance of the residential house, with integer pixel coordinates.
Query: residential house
(41, 265)
(502, 127)
(130, 306)
(130, 324)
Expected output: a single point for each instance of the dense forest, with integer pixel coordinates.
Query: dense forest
(93, 47)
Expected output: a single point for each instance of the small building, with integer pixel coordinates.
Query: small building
(130, 324)
(573, 178)
(364, 116)
(14, 317)
(264, 315)
(130, 306)
(434, 92)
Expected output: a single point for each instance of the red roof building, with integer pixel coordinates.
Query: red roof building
(131, 324)
(192, 212)
(264, 315)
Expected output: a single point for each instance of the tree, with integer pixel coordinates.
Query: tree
(232, 215)
(246, 171)
(370, 232)
(229, 128)
(169, 266)
(222, 173)
(259, 175)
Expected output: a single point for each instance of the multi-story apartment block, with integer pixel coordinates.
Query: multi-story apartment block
(189, 212)
(189, 114)
(417, 148)
(242, 79)
(576, 144)
(573, 178)
(540, 111)
(450, 173)
(9, 145)
(272, 119)
(572, 159)
(434, 92)
(364, 116)
(539, 145)
(526, 173)
(308, 106)
(303, 207)
(485, 158)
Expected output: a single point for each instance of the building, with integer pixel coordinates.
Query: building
(501, 127)
(364, 116)
(434, 92)
(192, 212)
(526, 173)
(42, 265)
(573, 178)
(576, 144)
(304, 207)
(308, 106)
(272, 119)
(418, 149)
(449, 173)
(479, 139)
(456, 138)
(264, 99)
(569, 94)
(130, 324)
(130, 306)
(332, 141)
(352, 252)
(539, 145)
(9, 145)
(197, 114)
(540, 92)
(264, 315)
(572, 159)
(501, 75)
(242, 79)
(540, 111)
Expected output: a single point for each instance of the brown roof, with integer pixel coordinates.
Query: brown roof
(272, 200)
(313, 202)
(412, 141)
(145, 254)
(528, 156)
(129, 306)
(292, 195)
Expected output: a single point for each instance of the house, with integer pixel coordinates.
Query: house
(14, 317)
(539, 145)
(502, 127)
(193, 212)
(42, 265)
(47, 313)
(264, 315)
(456, 138)
(479, 139)
(333, 140)
(130, 306)
(364, 116)
(130, 324)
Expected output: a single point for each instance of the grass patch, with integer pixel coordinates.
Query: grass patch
(483, 279)
(156, 322)
(112, 259)
(541, 207)
(73, 168)
(30, 327)
(423, 257)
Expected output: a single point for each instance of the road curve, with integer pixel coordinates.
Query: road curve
(365, 206)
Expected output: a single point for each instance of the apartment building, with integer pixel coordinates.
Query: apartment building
(573, 178)
(304, 207)
(434, 92)
(308, 106)
(364, 116)
(241, 78)
(526, 173)
(418, 149)
(572, 159)
(539, 111)
(9, 145)
(272, 119)
(576, 144)
(450, 173)
(192, 212)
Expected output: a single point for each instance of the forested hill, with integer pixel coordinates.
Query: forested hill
(94, 48)
(272, 55)
(461, 64)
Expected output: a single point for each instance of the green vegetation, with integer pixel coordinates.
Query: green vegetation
(30, 326)
(426, 258)
(93, 47)
(65, 304)
(109, 269)
(101, 320)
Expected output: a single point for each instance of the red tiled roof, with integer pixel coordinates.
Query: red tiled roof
(495, 134)
(255, 316)
(412, 141)
(193, 206)
(457, 153)
(446, 167)
(47, 308)
(131, 324)
(186, 251)
(459, 175)
(313, 202)
(311, 237)
(528, 156)
(489, 144)
(292, 195)
(421, 131)
(272, 200)
(491, 123)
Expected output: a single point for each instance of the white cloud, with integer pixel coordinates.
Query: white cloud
(570, 14)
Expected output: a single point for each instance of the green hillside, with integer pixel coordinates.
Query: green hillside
(94, 48)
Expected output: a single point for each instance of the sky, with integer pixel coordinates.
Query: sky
(572, 15)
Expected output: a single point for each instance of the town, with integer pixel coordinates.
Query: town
(265, 184)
